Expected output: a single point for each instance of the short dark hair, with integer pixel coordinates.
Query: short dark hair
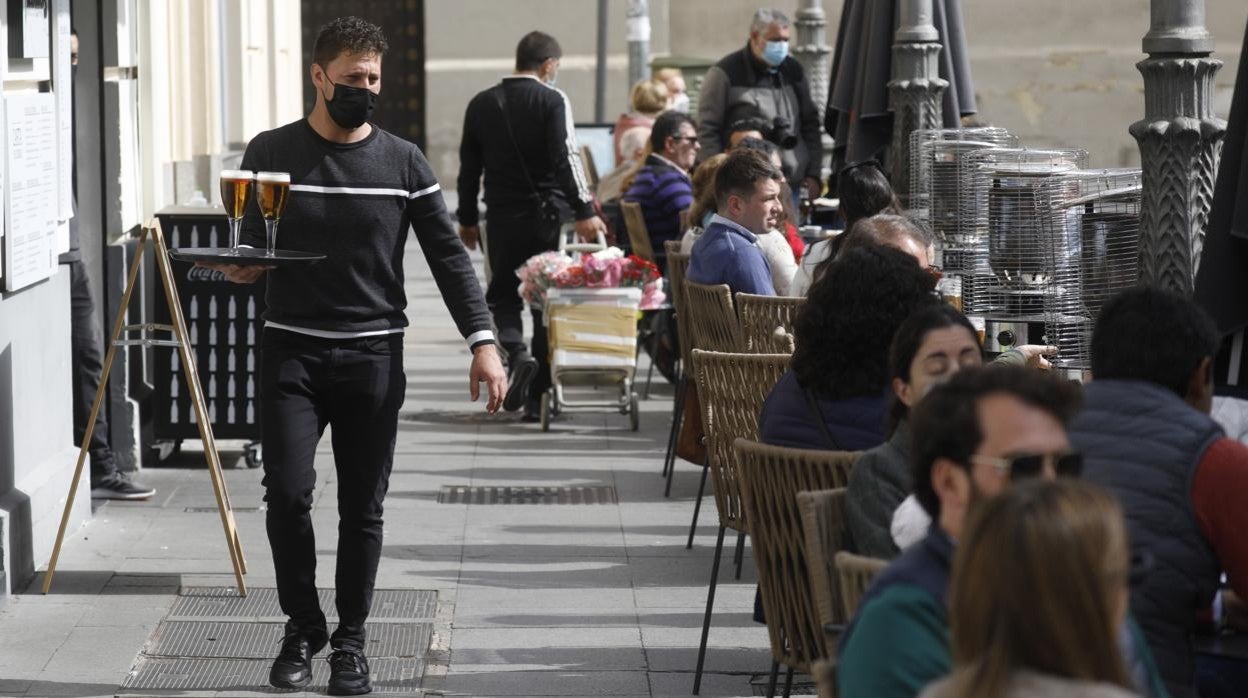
(765, 147)
(864, 191)
(534, 49)
(667, 125)
(945, 423)
(754, 122)
(740, 175)
(1149, 334)
(843, 331)
(347, 35)
(909, 337)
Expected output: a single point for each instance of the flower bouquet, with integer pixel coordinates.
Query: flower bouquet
(609, 268)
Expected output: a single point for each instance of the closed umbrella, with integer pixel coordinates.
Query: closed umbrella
(858, 118)
(1222, 278)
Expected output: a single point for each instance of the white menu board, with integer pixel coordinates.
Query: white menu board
(32, 197)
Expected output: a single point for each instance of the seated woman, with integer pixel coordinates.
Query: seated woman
(835, 394)
(864, 192)
(1038, 596)
(647, 99)
(930, 346)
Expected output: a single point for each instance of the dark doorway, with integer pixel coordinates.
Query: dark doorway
(401, 105)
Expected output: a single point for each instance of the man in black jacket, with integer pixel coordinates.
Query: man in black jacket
(763, 80)
(332, 350)
(520, 135)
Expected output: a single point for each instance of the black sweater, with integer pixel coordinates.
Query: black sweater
(541, 120)
(354, 203)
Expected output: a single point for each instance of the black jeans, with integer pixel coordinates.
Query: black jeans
(356, 386)
(87, 350)
(510, 240)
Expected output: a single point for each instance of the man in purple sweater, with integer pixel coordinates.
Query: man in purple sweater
(662, 187)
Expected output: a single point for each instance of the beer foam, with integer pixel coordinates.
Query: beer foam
(273, 177)
(237, 174)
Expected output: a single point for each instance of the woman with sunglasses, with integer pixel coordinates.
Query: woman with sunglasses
(1038, 596)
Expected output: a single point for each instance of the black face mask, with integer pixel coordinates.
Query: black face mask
(351, 106)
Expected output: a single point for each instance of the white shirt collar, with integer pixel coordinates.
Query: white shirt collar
(678, 168)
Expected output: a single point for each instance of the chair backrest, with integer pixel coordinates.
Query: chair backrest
(731, 388)
(684, 219)
(638, 234)
(767, 321)
(771, 477)
(591, 167)
(713, 323)
(856, 573)
(823, 529)
(677, 264)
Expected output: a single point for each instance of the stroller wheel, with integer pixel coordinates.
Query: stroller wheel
(547, 410)
(634, 413)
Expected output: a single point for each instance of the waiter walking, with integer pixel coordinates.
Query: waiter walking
(332, 350)
(520, 135)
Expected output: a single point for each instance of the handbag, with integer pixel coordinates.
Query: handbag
(689, 443)
(547, 211)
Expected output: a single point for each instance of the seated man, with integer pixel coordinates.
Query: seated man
(972, 436)
(633, 146)
(1147, 436)
(662, 187)
(747, 204)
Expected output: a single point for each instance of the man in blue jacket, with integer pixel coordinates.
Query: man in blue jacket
(747, 201)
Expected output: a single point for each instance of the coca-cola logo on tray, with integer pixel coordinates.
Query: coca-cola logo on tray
(197, 273)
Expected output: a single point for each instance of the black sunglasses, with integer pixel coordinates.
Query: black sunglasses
(1029, 465)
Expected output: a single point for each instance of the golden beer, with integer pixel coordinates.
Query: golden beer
(272, 188)
(235, 191)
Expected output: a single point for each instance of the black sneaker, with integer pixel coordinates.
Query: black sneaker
(348, 673)
(523, 371)
(293, 666)
(118, 486)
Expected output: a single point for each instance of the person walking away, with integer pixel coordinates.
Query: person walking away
(519, 136)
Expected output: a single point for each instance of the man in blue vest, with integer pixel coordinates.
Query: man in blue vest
(1147, 436)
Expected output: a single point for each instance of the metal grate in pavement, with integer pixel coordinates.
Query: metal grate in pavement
(261, 604)
(590, 494)
(235, 640)
(223, 676)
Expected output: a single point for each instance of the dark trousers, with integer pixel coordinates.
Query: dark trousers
(87, 349)
(355, 386)
(510, 240)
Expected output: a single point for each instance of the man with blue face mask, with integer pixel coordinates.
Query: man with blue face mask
(762, 79)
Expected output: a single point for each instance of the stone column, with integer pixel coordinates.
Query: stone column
(815, 55)
(916, 88)
(1180, 143)
(638, 41)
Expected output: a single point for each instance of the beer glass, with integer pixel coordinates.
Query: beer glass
(235, 190)
(272, 188)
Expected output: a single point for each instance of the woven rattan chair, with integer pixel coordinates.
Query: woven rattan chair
(711, 320)
(823, 525)
(767, 322)
(638, 234)
(856, 573)
(677, 263)
(732, 388)
(824, 673)
(771, 478)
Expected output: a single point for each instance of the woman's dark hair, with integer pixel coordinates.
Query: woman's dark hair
(349, 35)
(534, 49)
(909, 338)
(844, 329)
(864, 191)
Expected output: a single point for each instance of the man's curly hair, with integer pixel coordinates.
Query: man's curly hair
(347, 35)
(851, 313)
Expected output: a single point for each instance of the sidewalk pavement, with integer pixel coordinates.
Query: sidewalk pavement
(533, 599)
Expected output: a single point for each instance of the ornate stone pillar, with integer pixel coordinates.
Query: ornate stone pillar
(916, 88)
(1180, 143)
(815, 55)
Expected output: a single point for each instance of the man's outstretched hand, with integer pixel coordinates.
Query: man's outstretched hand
(589, 229)
(470, 234)
(487, 368)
